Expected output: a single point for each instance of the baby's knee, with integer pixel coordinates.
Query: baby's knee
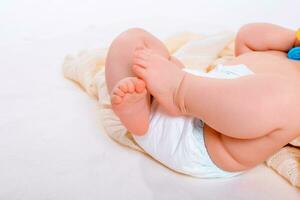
(135, 31)
(133, 34)
(130, 38)
(247, 29)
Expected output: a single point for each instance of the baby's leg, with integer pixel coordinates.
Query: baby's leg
(246, 107)
(129, 96)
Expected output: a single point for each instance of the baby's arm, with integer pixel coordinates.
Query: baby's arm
(264, 37)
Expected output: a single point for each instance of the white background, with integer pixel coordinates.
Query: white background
(51, 144)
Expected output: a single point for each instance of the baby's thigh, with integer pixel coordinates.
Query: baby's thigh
(251, 152)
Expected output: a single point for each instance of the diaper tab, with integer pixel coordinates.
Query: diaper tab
(233, 71)
(198, 123)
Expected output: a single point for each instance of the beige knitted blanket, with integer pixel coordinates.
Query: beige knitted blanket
(195, 51)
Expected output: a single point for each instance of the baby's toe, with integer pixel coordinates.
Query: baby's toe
(118, 91)
(130, 85)
(127, 86)
(139, 71)
(123, 87)
(115, 99)
(140, 85)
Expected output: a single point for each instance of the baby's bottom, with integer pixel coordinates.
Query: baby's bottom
(178, 143)
(129, 96)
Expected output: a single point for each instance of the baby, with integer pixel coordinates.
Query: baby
(215, 124)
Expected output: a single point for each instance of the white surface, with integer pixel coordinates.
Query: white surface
(50, 144)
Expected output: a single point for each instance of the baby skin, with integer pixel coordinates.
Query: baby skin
(130, 102)
(129, 97)
(254, 119)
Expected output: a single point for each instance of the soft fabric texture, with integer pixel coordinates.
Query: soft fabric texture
(194, 50)
(287, 163)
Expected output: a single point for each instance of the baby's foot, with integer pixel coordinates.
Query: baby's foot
(131, 104)
(161, 76)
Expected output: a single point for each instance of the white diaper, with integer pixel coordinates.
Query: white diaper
(178, 142)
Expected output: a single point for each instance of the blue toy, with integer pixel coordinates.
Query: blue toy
(294, 53)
